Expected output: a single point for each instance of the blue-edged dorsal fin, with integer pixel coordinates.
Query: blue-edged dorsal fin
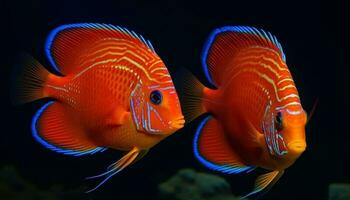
(213, 150)
(223, 43)
(66, 43)
(53, 128)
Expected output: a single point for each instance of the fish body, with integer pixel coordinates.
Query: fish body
(255, 117)
(113, 92)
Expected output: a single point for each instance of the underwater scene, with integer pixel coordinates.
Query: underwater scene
(174, 100)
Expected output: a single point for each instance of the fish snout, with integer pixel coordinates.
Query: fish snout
(297, 146)
(178, 123)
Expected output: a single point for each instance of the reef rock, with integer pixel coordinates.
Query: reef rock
(189, 184)
(339, 191)
(14, 187)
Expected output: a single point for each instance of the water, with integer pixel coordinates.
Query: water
(315, 46)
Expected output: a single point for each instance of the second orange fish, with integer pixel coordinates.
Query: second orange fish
(255, 117)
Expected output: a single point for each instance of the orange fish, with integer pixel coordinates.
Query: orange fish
(255, 118)
(113, 91)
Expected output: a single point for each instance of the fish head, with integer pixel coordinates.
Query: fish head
(284, 132)
(156, 109)
(293, 128)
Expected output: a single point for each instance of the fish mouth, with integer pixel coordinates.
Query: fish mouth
(178, 123)
(297, 146)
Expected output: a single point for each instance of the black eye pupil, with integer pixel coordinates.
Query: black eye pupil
(156, 97)
(279, 123)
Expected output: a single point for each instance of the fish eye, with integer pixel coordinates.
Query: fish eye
(278, 122)
(156, 97)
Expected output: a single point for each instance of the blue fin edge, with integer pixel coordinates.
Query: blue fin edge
(61, 28)
(241, 29)
(52, 147)
(227, 169)
(250, 194)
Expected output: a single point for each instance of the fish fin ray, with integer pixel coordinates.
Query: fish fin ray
(141, 154)
(116, 167)
(51, 127)
(190, 94)
(28, 81)
(265, 182)
(223, 43)
(65, 43)
(212, 149)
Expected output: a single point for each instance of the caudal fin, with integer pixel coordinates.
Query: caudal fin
(191, 94)
(28, 81)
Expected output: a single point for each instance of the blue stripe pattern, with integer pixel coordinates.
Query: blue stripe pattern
(52, 147)
(240, 29)
(50, 39)
(228, 169)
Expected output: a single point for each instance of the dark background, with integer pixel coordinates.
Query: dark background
(315, 40)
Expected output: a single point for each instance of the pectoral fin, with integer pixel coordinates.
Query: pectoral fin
(265, 182)
(118, 117)
(118, 166)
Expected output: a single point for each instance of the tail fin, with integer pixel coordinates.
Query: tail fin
(28, 81)
(191, 94)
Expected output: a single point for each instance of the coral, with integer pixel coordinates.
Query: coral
(14, 187)
(189, 184)
(339, 191)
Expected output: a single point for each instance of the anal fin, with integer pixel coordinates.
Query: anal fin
(265, 182)
(213, 150)
(54, 127)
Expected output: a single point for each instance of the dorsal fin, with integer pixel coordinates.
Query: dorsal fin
(223, 43)
(65, 42)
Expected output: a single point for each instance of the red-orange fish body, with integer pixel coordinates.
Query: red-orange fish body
(99, 96)
(114, 92)
(255, 115)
